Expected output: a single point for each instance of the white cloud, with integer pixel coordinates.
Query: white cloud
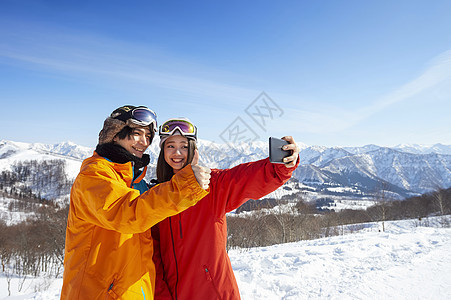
(435, 75)
(330, 119)
(102, 59)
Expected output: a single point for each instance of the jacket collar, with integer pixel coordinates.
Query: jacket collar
(118, 154)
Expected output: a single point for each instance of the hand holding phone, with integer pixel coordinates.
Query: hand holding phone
(276, 153)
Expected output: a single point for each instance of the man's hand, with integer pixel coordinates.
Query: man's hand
(202, 173)
(291, 160)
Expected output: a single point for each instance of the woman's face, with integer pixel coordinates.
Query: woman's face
(137, 142)
(176, 152)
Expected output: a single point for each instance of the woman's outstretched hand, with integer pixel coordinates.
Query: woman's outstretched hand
(290, 161)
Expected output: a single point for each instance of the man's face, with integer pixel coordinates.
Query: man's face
(137, 142)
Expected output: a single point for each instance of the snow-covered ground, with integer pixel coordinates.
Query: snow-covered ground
(407, 261)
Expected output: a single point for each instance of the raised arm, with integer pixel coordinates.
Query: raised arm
(99, 198)
(230, 188)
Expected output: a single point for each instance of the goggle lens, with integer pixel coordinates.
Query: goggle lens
(141, 116)
(145, 116)
(184, 126)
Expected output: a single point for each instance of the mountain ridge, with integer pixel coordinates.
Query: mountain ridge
(325, 170)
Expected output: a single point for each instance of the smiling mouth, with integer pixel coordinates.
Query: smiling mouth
(138, 149)
(177, 160)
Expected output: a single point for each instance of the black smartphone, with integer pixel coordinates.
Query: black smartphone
(276, 154)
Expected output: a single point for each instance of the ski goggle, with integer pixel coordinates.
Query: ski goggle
(186, 128)
(141, 116)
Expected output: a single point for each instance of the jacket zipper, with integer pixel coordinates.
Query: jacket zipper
(180, 226)
(110, 290)
(175, 259)
(133, 172)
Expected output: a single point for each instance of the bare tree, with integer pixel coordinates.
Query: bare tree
(379, 212)
(439, 198)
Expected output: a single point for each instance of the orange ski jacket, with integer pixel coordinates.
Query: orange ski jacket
(190, 248)
(109, 247)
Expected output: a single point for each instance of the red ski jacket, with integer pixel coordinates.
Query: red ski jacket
(190, 248)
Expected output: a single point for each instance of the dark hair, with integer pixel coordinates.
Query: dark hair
(164, 170)
(127, 131)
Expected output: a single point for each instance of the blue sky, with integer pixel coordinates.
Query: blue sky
(331, 73)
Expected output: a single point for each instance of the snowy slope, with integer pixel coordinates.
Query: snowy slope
(404, 262)
(401, 263)
(13, 152)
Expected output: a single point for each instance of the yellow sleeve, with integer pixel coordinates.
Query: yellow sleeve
(101, 198)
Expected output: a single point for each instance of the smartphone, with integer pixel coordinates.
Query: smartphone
(276, 154)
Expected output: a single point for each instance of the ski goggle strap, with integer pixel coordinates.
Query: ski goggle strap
(186, 128)
(141, 116)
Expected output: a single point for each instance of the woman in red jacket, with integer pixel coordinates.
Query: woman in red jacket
(190, 248)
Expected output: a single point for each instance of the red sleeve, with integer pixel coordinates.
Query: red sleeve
(230, 188)
(161, 288)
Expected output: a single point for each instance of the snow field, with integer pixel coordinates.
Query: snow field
(401, 263)
(404, 262)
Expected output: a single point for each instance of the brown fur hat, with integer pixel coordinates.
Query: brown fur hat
(112, 126)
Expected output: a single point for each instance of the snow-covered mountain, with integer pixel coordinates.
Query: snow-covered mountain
(421, 149)
(404, 170)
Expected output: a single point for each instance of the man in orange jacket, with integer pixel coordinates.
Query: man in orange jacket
(108, 252)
